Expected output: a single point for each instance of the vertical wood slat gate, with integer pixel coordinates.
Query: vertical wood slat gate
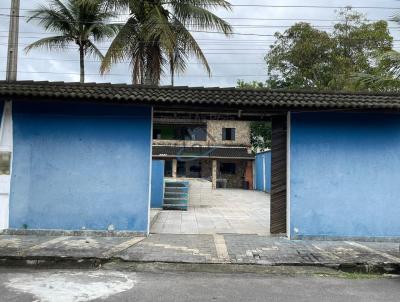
(278, 175)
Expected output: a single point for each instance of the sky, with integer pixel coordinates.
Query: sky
(240, 56)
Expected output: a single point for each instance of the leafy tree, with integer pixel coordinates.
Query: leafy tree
(304, 57)
(157, 34)
(260, 132)
(74, 22)
(387, 76)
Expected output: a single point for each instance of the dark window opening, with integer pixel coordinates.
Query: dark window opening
(181, 169)
(195, 169)
(227, 168)
(180, 132)
(228, 134)
(168, 168)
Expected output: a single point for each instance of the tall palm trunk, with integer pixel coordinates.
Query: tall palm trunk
(172, 71)
(82, 63)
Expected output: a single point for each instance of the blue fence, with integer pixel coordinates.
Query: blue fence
(263, 171)
(157, 184)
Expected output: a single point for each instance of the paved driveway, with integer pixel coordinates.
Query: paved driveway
(226, 211)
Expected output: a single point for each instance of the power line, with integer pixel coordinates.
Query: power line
(316, 6)
(287, 6)
(128, 74)
(98, 61)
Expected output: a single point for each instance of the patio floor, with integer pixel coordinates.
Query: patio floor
(224, 211)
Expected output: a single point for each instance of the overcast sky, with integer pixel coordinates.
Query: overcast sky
(237, 57)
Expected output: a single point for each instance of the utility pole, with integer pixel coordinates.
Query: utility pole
(12, 53)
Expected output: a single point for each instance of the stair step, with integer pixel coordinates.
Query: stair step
(176, 195)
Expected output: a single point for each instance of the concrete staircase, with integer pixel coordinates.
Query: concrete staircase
(176, 195)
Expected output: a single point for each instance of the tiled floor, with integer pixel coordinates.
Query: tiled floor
(225, 211)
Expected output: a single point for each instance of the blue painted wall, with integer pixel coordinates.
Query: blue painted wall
(260, 175)
(157, 184)
(345, 174)
(80, 166)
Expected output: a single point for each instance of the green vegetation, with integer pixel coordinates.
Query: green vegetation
(78, 23)
(260, 132)
(156, 35)
(304, 57)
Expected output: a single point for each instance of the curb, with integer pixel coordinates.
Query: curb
(55, 262)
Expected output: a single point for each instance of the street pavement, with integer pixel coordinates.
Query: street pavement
(200, 249)
(24, 285)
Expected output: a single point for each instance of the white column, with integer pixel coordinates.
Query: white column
(214, 174)
(288, 141)
(174, 167)
(6, 148)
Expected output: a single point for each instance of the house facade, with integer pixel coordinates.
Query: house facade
(79, 156)
(217, 150)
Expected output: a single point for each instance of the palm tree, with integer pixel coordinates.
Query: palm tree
(78, 22)
(387, 75)
(157, 34)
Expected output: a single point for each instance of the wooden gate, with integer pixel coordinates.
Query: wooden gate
(278, 175)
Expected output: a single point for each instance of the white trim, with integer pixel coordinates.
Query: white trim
(263, 175)
(6, 145)
(150, 173)
(205, 146)
(254, 175)
(288, 141)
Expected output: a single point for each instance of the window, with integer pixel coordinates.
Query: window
(168, 168)
(227, 168)
(181, 169)
(228, 134)
(180, 132)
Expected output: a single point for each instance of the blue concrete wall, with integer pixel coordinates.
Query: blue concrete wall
(260, 175)
(157, 184)
(80, 166)
(344, 175)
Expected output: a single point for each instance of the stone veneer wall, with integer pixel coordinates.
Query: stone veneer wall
(242, 136)
(233, 180)
(214, 138)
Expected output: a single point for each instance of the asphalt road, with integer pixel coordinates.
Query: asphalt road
(105, 285)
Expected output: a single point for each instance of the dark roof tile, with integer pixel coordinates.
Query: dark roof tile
(185, 96)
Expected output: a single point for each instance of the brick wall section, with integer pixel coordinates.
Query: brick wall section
(214, 129)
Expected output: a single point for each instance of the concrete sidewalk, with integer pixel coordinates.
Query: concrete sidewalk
(227, 249)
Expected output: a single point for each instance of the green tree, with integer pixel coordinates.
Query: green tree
(74, 22)
(387, 76)
(304, 57)
(157, 34)
(260, 132)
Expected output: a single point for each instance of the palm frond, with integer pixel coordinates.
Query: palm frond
(125, 41)
(377, 82)
(158, 28)
(199, 18)
(207, 4)
(56, 42)
(92, 50)
(52, 20)
(191, 45)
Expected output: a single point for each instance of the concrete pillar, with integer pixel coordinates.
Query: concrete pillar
(174, 167)
(214, 174)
